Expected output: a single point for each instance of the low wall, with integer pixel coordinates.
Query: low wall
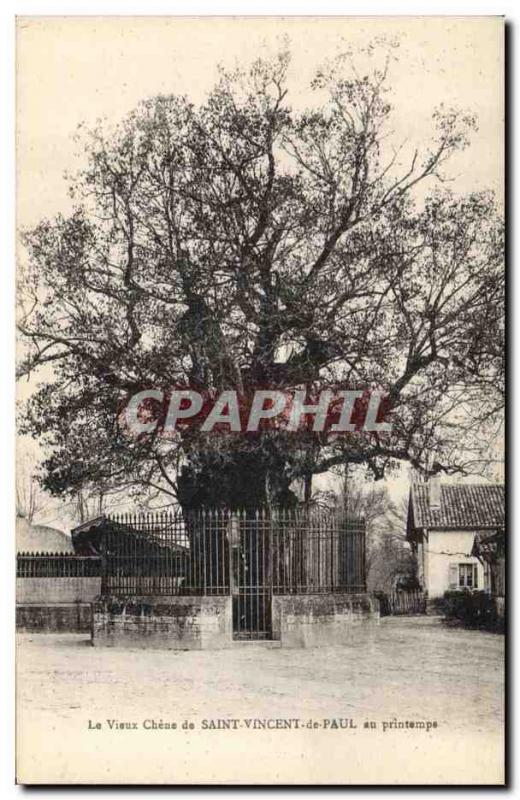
(51, 618)
(317, 620)
(55, 604)
(39, 591)
(175, 623)
(206, 623)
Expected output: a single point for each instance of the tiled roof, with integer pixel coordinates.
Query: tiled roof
(478, 506)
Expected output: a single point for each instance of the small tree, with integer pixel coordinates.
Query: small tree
(388, 556)
(391, 558)
(30, 499)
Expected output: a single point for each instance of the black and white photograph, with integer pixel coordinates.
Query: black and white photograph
(260, 400)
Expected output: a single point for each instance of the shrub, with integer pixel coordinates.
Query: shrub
(471, 609)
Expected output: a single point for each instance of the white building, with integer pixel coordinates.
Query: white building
(442, 523)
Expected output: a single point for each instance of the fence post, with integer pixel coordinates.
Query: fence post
(363, 554)
(103, 562)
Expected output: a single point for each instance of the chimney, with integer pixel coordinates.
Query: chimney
(435, 493)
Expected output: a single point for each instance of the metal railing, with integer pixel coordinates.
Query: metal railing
(57, 565)
(221, 552)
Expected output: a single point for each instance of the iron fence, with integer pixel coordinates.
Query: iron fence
(221, 552)
(57, 565)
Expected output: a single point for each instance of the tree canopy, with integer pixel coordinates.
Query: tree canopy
(241, 242)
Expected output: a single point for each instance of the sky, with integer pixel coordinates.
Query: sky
(73, 70)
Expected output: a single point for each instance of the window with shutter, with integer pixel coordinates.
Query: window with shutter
(454, 576)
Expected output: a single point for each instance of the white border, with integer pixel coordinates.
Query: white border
(262, 7)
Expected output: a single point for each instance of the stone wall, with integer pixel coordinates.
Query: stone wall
(205, 623)
(55, 604)
(317, 620)
(58, 617)
(175, 623)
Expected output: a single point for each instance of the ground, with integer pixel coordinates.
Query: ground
(402, 670)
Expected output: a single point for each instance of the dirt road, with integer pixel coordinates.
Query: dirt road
(412, 697)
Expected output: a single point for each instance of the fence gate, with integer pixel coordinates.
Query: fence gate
(250, 578)
(404, 602)
(248, 555)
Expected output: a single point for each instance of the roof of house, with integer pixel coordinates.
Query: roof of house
(40, 538)
(477, 506)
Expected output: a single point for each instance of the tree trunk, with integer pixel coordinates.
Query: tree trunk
(242, 481)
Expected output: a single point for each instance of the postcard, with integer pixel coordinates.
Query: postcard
(260, 511)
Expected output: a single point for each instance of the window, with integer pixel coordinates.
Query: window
(463, 576)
